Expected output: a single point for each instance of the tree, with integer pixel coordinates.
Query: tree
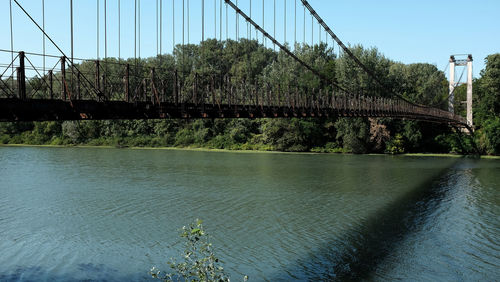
(487, 106)
(354, 134)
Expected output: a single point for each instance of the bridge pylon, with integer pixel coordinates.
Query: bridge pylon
(451, 98)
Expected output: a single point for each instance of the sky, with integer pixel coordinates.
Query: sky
(407, 31)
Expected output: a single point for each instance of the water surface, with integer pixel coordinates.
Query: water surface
(111, 214)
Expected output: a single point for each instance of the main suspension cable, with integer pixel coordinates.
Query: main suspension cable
(348, 51)
(282, 47)
(452, 92)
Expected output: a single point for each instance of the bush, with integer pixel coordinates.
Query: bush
(396, 145)
(199, 261)
(4, 139)
(184, 137)
(220, 142)
(16, 139)
(57, 141)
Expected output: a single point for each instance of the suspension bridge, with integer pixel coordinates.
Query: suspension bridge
(37, 86)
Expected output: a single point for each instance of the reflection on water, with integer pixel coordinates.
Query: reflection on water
(109, 214)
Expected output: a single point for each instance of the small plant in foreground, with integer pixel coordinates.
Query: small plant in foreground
(199, 262)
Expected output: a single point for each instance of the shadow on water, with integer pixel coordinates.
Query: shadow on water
(366, 245)
(83, 272)
(353, 257)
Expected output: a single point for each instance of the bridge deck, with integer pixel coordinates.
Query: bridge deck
(12, 109)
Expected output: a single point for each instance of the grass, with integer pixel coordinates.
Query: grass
(204, 149)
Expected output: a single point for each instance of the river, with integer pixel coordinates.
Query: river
(111, 214)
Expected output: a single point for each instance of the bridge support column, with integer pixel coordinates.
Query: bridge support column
(469, 91)
(21, 77)
(451, 98)
(461, 62)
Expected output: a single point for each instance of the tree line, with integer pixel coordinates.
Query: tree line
(247, 60)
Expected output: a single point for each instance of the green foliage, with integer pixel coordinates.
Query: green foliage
(489, 136)
(412, 134)
(199, 262)
(487, 106)
(396, 145)
(487, 88)
(248, 61)
(420, 83)
(353, 134)
(296, 135)
(350, 75)
(455, 142)
(184, 137)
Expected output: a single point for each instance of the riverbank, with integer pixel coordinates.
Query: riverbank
(201, 149)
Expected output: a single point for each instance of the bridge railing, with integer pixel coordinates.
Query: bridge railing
(112, 80)
(22, 79)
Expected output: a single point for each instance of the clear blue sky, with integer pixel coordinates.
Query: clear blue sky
(405, 31)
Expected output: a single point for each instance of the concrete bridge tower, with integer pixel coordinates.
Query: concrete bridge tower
(451, 100)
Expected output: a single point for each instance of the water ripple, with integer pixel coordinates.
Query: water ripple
(93, 214)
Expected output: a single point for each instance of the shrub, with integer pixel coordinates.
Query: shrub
(184, 137)
(199, 261)
(4, 139)
(396, 145)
